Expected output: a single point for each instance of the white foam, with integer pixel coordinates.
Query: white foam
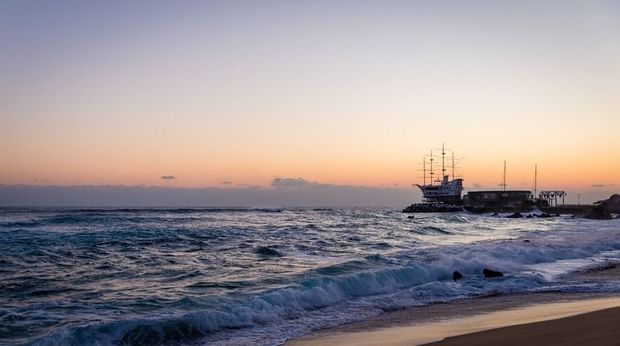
(422, 276)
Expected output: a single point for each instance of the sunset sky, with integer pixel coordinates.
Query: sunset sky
(237, 93)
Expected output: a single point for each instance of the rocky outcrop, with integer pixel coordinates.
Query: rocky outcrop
(599, 212)
(488, 273)
(612, 204)
(516, 215)
(602, 210)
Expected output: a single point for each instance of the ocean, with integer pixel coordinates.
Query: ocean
(264, 276)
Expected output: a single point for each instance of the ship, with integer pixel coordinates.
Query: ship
(446, 191)
(444, 194)
(441, 194)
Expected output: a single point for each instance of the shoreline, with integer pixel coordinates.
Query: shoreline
(436, 322)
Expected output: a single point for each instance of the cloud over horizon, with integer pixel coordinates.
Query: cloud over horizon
(168, 177)
(284, 192)
(298, 182)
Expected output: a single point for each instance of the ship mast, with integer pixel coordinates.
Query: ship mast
(535, 178)
(453, 176)
(431, 167)
(443, 161)
(424, 169)
(504, 181)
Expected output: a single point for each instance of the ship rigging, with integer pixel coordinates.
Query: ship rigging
(440, 190)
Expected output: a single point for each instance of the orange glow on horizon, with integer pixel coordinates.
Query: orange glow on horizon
(226, 100)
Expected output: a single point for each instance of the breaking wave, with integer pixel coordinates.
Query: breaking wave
(159, 277)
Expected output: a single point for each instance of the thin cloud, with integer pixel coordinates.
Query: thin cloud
(597, 185)
(291, 183)
(249, 186)
(168, 177)
(226, 182)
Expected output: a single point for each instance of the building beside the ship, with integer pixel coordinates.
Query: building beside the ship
(500, 200)
(504, 200)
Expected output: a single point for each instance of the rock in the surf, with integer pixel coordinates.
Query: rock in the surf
(516, 215)
(456, 275)
(488, 273)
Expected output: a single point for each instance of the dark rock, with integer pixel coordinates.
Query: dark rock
(612, 204)
(516, 215)
(495, 214)
(265, 251)
(602, 209)
(411, 217)
(543, 215)
(599, 212)
(529, 216)
(432, 208)
(526, 241)
(614, 200)
(456, 275)
(488, 273)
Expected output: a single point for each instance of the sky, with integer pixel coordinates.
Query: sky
(238, 94)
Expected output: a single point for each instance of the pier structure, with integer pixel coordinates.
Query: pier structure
(552, 197)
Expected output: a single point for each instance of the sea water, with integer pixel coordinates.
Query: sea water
(263, 276)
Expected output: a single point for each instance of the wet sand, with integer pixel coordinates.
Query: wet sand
(594, 328)
(485, 320)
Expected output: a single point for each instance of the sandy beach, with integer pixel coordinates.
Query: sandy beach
(593, 328)
(540, 318)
